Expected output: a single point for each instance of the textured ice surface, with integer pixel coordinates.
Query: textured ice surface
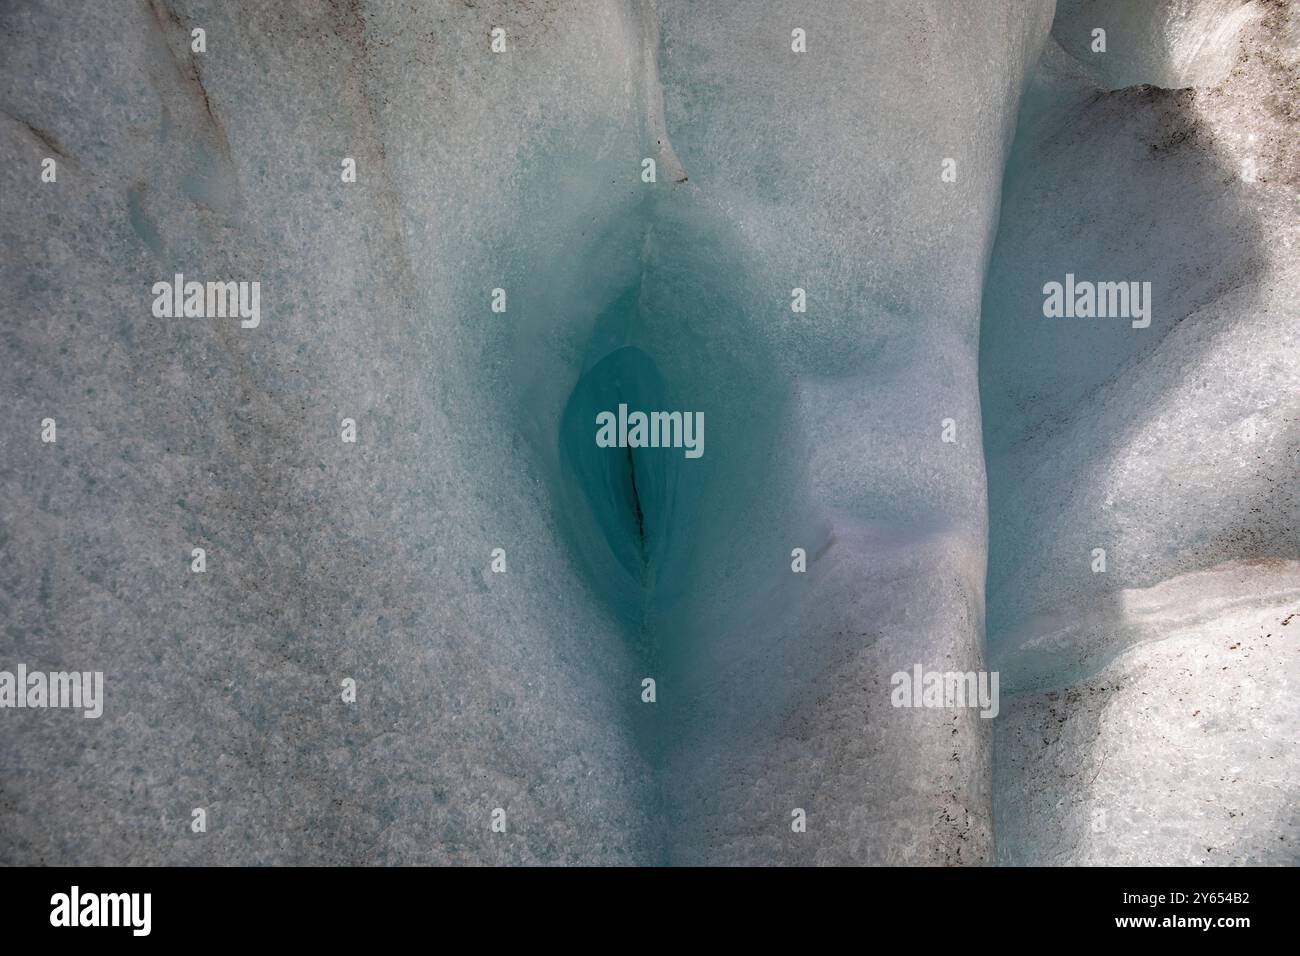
(1175, 448)
(1166, 43)
(521, 171)
(518, 171)
(1179, 751)
(325, 560)
(824, 175)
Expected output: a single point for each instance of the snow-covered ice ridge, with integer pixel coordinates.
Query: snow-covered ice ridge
(839, 260)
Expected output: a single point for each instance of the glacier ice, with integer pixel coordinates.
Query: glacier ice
(1149, 709)
(521, 172)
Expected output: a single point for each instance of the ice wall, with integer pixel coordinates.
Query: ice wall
(824, 173)
(1151, 716)
(325, 560)
(1149, 710)
(519, 171)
